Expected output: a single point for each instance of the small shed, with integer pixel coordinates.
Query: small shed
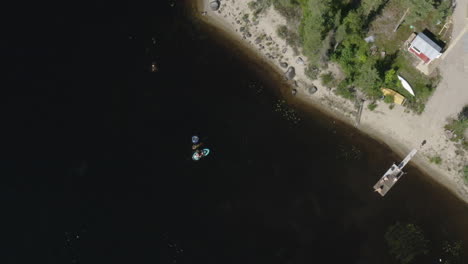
(425, 48)
(397, 98)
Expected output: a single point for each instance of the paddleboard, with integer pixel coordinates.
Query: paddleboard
(205, 152)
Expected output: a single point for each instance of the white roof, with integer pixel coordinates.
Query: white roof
(426, 46)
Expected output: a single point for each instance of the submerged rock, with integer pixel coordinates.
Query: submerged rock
(214, 5)
(290, 73)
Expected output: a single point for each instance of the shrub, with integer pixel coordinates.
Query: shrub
(464, 113)
(406, 242)
(327, 79)
(291, 10)
(451, 252)
(259, 6)
(344, 92)
(372, 106)
(291, 37)
(312, 72)
(459, 127)
(245, 18)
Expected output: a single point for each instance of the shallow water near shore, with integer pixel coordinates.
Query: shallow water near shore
(283, 183)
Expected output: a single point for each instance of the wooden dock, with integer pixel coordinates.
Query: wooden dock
(391, 177)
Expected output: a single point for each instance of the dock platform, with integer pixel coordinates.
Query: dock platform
(393, 174)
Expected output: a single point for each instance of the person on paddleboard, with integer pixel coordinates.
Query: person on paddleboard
(198, 153)
(196, 142)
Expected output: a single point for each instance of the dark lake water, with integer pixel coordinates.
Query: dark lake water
(97, 168)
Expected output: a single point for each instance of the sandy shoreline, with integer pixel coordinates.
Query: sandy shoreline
(399, 130)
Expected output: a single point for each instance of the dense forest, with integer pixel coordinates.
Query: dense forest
(335, 30)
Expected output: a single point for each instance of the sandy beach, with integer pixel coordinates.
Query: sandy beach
(397, 128)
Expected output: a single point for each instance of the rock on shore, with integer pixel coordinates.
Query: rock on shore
(290, 73)
(214, 5)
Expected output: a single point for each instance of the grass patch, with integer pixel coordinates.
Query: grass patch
(459, 127)
(382, 28)
(435, 159)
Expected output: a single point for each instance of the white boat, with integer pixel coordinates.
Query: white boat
(406, 85)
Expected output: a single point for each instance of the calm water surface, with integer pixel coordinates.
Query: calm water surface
(105, 174)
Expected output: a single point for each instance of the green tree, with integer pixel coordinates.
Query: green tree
(442, 11)
(419, 9)
(390, 78)
(368, 6)
(311, 34)
(452, 252)
(368, 80)
(353, 23)
(319, 17)
(406, 242)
